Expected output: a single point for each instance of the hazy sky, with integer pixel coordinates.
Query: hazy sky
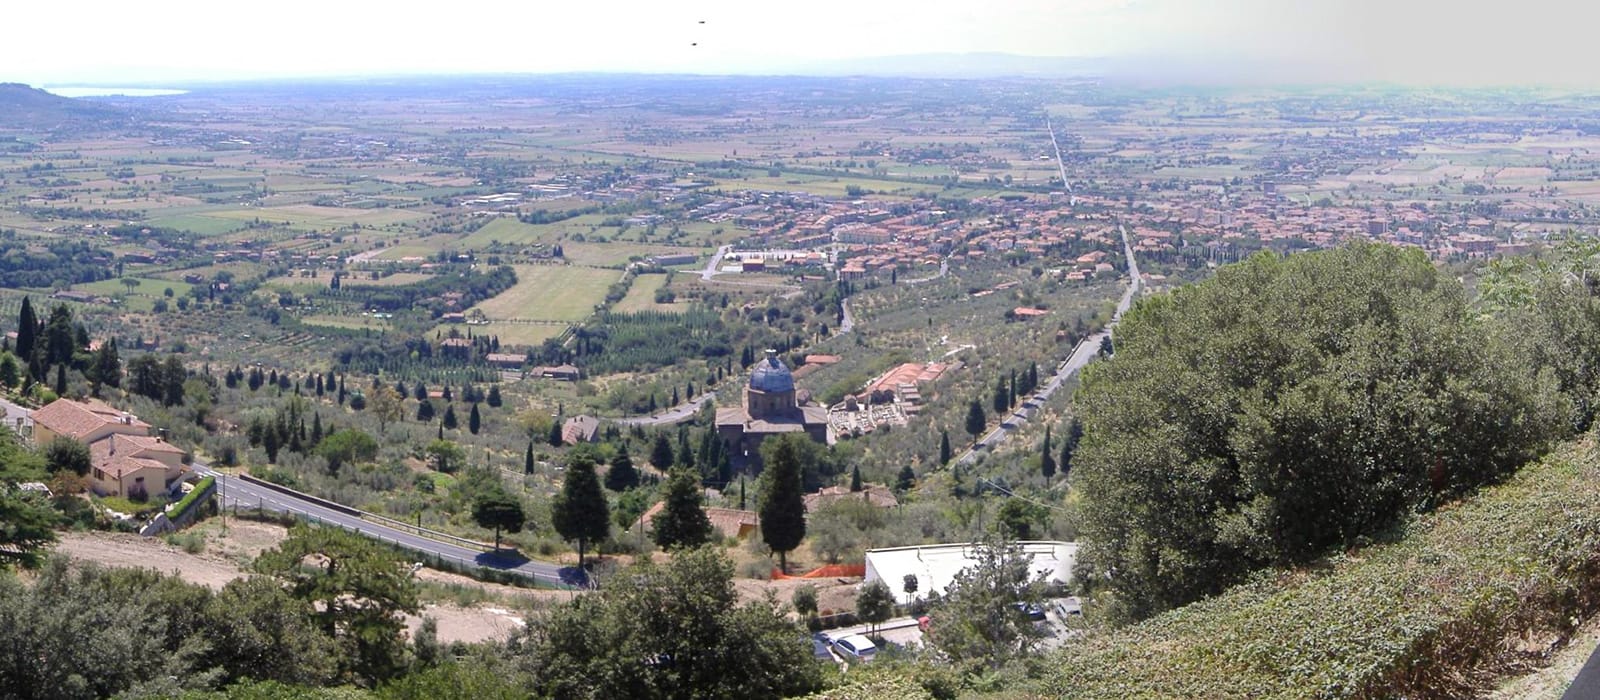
(1430, 41)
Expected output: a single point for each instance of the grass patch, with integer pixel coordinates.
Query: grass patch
(1435, 614)
(551, 293)
(642, 296)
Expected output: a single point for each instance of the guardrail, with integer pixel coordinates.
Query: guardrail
(374, 517)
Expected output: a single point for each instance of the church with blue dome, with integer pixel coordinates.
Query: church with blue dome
(770, 408)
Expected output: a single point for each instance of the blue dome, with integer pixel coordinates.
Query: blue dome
(771, 376)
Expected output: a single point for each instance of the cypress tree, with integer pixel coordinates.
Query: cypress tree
(474, 421)
(906, 479)
(944, 447)
(527, 459)
(450, 417)
(855, 479)
(975, 420)
(783, 508)
(1047, 462)
(27, 329)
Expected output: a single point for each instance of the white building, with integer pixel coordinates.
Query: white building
(936, 566)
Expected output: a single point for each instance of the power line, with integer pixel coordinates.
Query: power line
(1010, 493)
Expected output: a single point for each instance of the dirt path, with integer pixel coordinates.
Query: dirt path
(224, 557)
(1550, 682)
(133, 551)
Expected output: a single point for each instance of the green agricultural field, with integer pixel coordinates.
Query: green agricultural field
(198, 223)
(513, 232)
(312, 217)
(510, 333)
(148, 287)
(349, 322)
(551, 293)
(607, 254)
(642, 296)
(394, 280)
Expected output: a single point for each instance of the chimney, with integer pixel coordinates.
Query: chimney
(127, 418)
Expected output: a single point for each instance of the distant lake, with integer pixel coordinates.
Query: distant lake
(110, 91)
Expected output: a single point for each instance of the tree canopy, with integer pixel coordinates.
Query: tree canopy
(682, 521)
(667, 631)
(783, 510)
(1287, 405)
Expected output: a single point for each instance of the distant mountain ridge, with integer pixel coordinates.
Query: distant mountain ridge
(28, 108)
(960, 65)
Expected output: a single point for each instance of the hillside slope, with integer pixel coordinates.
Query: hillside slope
(1439, 613)
(30, 109)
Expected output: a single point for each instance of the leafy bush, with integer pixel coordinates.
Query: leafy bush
(1423, 617)
(1290, 405)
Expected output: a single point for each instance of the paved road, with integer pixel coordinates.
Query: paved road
(1081, 356)
(676, 414)
(715, 263)
(848, 322)
(944, 269)
(243, 493)
(236, 491)
(1060, 164)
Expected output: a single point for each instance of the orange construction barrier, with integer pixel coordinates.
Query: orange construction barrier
(829, 571)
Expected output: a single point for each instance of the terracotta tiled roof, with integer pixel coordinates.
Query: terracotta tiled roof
(875, 494)
(76, 419)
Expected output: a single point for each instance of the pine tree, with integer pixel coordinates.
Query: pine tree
(450, 417)
(555, 437)
(783, 508)
(682, 521)
(494, 399)
(1002, 398)
(424, 411)
(580, 512)
(474, 421)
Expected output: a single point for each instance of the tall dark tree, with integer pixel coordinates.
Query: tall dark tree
(107, 367)
(580, 512)
(61, 380)
(474, 420)
(494, 399)
(944, 447)
(622, 475)
(1069, 446)
(555, 437)
(906, 478)
(975, 420)
(855, 479)
(450, 416)
(527, 459)
(661, 453)
(783, 508)
(27, 330)
(1002, 397)
(682, 521)
(1047, 461)
(173, 375)
(58, 336)
(425, 411)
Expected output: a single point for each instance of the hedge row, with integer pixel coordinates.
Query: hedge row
(1436, 614)
(182, 505)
